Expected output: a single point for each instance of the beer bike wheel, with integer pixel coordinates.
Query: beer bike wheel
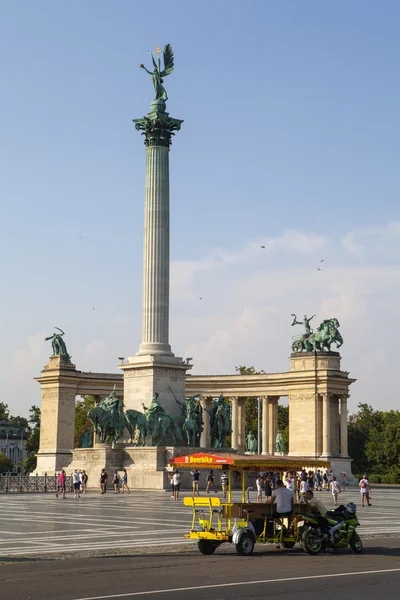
(356, 543)
(245, 545)
(312, 542)
(288, 544)
(206, 547)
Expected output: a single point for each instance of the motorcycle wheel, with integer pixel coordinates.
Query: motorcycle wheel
(310, 542)
(206, 547)
(356, 543)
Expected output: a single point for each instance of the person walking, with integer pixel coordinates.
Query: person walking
(195, 482)
(259, 485)
(365, 490)
(318, 478)
(303, 489)
(267, 488)
(84, 480)
(125, 482)
(210, 482)
(76, 480)
(103, 481)
(335, 489)
(224, 483)
(61, 483)
(115, 482)
(176, 480)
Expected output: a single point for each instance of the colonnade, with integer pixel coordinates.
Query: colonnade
(329, 423)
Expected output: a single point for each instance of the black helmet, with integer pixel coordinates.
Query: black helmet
(351, 509)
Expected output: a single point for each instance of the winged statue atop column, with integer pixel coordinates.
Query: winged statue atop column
(157, 75)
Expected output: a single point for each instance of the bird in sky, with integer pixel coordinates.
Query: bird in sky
(201, 298)
(263, 247)
(319, 269)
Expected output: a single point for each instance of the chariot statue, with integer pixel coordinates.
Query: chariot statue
(321, 340)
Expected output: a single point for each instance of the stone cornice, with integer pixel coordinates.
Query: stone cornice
(158, 128)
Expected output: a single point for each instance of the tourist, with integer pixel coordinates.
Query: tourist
(303, 489)
(343, 480)
(365, 490)
(310, 480)
(195, 481)
(318, 479)
(319, 509)
(61, 483)
(210, 482)
(224, 483)
(325, 481)
(335, 489)
(84, 480)
(76, 480)
(176, 480)
(289, 482)
(267, 487)
(103, 481)
(171, 478)
(115, 482)
(125, 482)
(259, 482)
(284, 502)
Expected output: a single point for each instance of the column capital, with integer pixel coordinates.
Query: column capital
(158, 128)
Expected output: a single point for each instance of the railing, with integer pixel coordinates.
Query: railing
(31, 483)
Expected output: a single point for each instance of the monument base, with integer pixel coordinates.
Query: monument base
(52, 462)
(147, 466)
(146, 375)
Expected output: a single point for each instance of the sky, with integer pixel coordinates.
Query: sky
(290, 140)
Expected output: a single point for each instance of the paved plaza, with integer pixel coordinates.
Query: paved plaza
(35, 524)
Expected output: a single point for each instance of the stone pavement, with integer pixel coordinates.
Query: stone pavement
(39, 524)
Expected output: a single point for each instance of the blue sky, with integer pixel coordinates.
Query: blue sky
(290, 140)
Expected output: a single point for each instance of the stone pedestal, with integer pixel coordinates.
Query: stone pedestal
(146, 375)
(59, 384)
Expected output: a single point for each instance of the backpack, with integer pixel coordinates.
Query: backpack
(363, 484)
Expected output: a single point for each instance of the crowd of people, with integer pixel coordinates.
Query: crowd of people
(80, 481)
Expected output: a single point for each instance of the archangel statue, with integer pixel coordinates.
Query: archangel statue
(160, 94)
(58, 344)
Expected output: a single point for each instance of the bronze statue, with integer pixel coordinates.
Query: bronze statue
(108, 418)
(160, 94)
(192, 414)
(160, 425)
(58, 344)
(327, 333)
(220, 421)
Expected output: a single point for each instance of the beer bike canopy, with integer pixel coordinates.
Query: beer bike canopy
(248, 462)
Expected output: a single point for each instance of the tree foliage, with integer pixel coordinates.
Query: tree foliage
(32, 440)
(82, 423)
(4, 411)
(6, 464)
(374, 443)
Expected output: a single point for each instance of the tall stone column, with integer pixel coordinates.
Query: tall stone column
(235, 422)
(273, 422)
(205, 438)
(155, 369)
(326, 425)
(344, 450)
(265, 425)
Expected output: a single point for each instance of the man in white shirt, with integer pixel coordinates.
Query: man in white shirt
(284, 500)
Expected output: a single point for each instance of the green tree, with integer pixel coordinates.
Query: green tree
(6, 464)
(360, 425)
(4, 412)
(283, 424)
(32, 441)
(251, 409)
(82, 422)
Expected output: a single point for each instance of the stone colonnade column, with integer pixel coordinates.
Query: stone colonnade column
(205, 438)
(273, 422)
(326, 425)
(265, 426)
(235, 422)
(242, 425)
(344, 451)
